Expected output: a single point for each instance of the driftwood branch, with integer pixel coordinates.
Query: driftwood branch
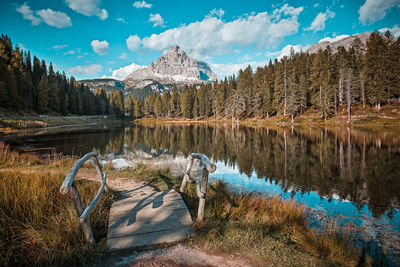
(206, 167)
(66, 185)
(69, 186)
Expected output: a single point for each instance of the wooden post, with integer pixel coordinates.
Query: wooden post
(186, 177)
(79, 209)
(202, 199)
(69, 186)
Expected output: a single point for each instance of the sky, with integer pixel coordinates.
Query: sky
(101, 38)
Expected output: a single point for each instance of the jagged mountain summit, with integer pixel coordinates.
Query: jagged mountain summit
(173, 68)
(347, 43)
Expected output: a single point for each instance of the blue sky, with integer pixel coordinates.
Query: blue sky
(100, 38)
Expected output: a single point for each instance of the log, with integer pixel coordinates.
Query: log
(79, 209)
(69, 186)
(186, 173)
(211, 167)
(202, 201)
(69, 179)
(89, 208)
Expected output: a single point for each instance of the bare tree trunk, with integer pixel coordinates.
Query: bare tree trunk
(363, 91)
(348, 93)
(284, 82)
(341, 85)
(335, 99)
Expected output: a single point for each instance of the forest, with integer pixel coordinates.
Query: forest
(327, 81)
(30, 87)
(364, 74)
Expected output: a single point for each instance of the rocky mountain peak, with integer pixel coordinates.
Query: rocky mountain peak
(176, 62)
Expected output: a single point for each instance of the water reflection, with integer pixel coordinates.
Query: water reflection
(354, 165)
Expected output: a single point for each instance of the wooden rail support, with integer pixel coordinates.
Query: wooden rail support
(206, 167)
(69, 186)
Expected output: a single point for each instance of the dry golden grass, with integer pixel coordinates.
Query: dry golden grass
(38, 225)
(268, 229)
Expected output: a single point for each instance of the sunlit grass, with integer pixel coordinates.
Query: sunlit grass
(38, 225)
(269, 230)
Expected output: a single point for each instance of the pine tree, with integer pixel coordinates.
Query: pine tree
(53, 88)
(374, 70)
(43, 94)
(187, 100)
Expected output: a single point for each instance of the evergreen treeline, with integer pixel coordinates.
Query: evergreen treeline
(32, 87)
(290, 86)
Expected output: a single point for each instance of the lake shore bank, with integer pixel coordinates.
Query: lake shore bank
(13, 124)
(275, 230)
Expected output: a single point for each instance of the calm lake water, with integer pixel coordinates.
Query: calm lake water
(350, 173)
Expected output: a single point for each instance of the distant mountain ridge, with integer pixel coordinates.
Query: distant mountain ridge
(173, 68)
(345, 42)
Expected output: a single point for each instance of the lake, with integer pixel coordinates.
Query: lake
(352, 174)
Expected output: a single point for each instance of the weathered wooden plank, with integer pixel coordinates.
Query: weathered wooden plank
(146, 209)
(142, 201)
(145, 220)
(149, 239)
(166, 220)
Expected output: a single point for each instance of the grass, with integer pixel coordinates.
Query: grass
(274, 231)
(38, 225)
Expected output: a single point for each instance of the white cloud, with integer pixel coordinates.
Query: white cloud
(331, 40)
(27, 14)
(123, 72)
(224, 70)
(212, 36)
(318, 23)
(142, 4)
(123, 56)
(121, 20)
(133, 42)
(395, 30)
(70, 52)
(285, 51)
(374, 10)
(50, 17)
(89, 70)
(217, 12)
(100, 47)
(21, 46)
(88, 8)
(157, 20)
(54, 18)
(59, 47)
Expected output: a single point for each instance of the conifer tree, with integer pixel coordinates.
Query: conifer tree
(43, 94)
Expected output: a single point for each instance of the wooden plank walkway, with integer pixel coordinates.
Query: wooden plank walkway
(148, 218)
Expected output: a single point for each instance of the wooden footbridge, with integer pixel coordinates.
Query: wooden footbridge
(144, 217)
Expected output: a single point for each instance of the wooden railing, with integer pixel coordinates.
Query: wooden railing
(206, 166)
(69, 186)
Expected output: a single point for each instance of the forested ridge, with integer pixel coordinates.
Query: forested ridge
(367, 74)
(28, 86)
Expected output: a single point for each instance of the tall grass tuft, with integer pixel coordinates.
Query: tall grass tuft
(12, 158)
(269, 229)
(39, 226)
